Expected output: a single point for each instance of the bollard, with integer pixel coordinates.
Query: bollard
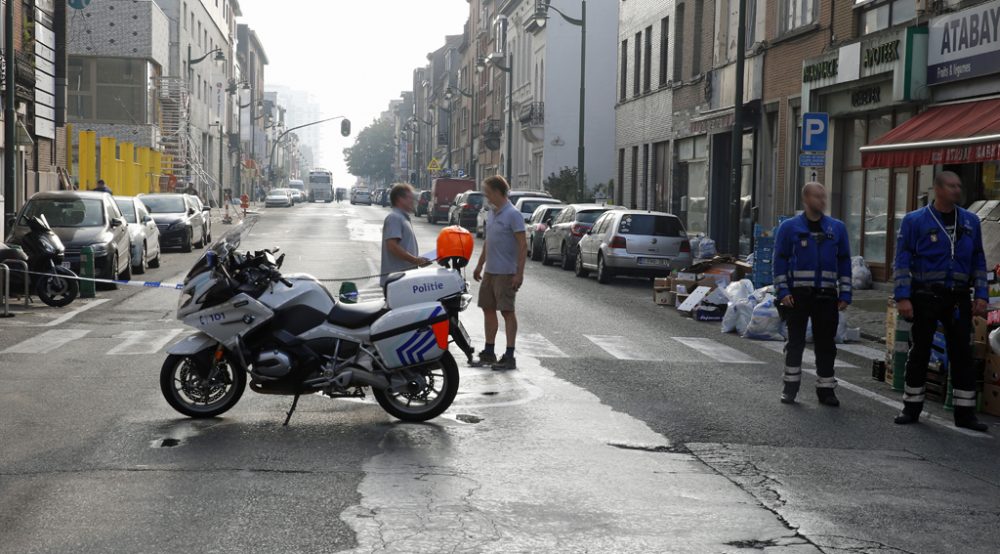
(6, 291)
(87, 289)
(348, 293)
(902, 341)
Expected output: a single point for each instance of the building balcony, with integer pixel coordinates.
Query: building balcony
(532, 118)
(492, 132)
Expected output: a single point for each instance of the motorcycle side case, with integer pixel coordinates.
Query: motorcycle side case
(428, 284)
(411, 335)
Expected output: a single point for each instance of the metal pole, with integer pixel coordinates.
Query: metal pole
(9, 113)
(510, 120)
(581, 153)
(6, 290)
(736, 171)
(221, 138)
(472, 136)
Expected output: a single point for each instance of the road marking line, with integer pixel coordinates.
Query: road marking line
(808, 355)
(717, 351)
(865, 352)
(143, 342)
(70, 315)
(47, 341)
(623, 348)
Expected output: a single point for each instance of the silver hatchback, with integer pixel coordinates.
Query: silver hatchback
(633, 242)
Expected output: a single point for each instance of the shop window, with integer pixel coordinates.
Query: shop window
(854, 184)
(876, 215)
(690, 189)
(874, 16)
(796, 14)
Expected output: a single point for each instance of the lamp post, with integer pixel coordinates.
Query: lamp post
(221, 133)
(509, 70)
(413, 122)
(219, 57)
(541, 15)
(736, 171)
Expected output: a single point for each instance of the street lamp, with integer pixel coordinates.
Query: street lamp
(221, 139)
(541, 16)
(494, 60)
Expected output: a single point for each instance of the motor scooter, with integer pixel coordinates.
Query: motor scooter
(54, 284)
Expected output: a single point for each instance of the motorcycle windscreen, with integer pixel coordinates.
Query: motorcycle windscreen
(222, 246)
(411, 335)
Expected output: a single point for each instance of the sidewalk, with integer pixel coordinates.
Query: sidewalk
(868, 310)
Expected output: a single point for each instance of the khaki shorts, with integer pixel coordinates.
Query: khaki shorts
(496, 293)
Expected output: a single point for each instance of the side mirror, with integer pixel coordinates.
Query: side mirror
(191, 211)
(206, 209)
(117, 222)
(147, 219)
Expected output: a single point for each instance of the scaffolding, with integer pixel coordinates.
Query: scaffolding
(183, 158)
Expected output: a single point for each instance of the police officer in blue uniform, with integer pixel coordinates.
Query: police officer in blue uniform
(939, 258)
(812, 279)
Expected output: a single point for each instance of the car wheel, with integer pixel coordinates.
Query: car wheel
(565, 260)
(536, 252)
(578, 267)
(141, 268)
(204, 239)
(126, 274)
(186, 246)
(604, 275)
(155, 262)
(201, 242)
(546, 259)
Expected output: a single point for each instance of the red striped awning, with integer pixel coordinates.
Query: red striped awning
(968, 132)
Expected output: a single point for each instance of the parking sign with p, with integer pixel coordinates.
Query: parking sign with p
(815, 130)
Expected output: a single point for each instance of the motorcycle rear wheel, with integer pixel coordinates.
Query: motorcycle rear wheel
(58, 291)
(414, 405)
(187, 391)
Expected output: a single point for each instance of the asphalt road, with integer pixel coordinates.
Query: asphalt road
(627, 429)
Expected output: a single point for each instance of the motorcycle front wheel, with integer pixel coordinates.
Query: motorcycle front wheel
(429, 393)
(200, 387)
(58, 291)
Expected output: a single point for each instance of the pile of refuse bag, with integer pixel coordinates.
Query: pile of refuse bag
(753, 314)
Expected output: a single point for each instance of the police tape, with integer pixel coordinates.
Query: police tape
(143, 284)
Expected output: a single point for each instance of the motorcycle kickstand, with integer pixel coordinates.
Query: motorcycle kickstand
(295, 402)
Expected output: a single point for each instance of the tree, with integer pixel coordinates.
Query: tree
(373, 152)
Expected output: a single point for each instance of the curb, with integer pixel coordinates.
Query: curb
(873, 338)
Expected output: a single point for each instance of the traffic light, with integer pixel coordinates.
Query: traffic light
(345, 127)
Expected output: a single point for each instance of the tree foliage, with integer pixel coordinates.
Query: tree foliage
(373, 152)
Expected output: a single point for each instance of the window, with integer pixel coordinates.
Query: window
(635, 176)
(624, 71)
(679, 42)
(796, 14)
(699, 16)
(664, 49)
(637, 69)
(107, 89)
(185, 16)
(199, 30)
(647, 62)
(621, 177)
(645, 176)
(878, 16)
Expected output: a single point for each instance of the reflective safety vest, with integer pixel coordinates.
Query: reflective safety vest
(802, 260)
(925, 255)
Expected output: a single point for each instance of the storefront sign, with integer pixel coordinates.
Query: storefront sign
(713, 124)
(886, 52)
(964, 44)
(866, 96)
(820, 70)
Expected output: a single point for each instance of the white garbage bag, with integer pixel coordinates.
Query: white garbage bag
(737, 317)
(861, 276)
(696, 245)
(839, 338)
(765, 323)
(739, 290)
(706, 248)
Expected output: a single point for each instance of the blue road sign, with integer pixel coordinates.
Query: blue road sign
(812, 160)
(815, 131)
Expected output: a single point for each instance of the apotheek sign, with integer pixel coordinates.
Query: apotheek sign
(964, 44)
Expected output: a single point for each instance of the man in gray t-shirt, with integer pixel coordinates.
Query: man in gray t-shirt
(399, 244)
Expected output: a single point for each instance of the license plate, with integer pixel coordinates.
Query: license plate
(653, 261)
(65, 265)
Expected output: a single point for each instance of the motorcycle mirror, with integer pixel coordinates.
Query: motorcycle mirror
(280, 260)
(211, 259)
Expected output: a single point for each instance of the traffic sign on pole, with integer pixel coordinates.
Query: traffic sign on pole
(812, 160)
(815, 131)
(434, 165)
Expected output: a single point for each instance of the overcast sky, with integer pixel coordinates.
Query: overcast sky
(354, 55)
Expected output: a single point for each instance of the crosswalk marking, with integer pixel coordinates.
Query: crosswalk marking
(46, 342)
(717, 351)
(623, 348)
(528, 344)
(70, 315)
(808, 355)
(143, 342)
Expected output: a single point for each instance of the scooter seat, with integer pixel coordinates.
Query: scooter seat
(356, 316)
(8, 253)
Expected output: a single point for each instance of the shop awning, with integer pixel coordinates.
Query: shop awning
(968, 132)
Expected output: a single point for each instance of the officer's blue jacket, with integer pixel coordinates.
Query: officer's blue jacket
(802, 261)
(923, 253)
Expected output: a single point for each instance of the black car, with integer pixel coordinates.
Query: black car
(465, 208)
(181, 219)
(82, 219)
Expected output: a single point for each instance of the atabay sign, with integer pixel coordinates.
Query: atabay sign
(964, 44)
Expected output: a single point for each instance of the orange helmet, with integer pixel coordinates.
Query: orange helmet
(454, 246)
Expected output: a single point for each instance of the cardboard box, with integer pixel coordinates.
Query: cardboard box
(687, 276)
(679, 298)
(980, 329)
(662, 283)
(663, 297)
(991, 400)
(980, 350)
(710, 312)
(992, 373)
(684, 286)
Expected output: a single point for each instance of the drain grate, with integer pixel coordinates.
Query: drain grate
(169, 443)
(754, 544)
(672, 449)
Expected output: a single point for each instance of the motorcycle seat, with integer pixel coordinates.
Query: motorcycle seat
(7, 253)
(356, 316)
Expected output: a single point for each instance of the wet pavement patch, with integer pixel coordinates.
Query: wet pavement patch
(468, 418)
(754, 544)
(168, 443)
(672, 449)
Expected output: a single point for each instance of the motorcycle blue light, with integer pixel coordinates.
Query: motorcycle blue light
(211, 258)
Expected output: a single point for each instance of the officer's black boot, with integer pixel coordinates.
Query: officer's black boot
(911, 413)
(789, 392)
(827, 397)
(966, 417)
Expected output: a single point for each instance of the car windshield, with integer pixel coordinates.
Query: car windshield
(71, 212)
(589, 216)
(164, 204)
(127, 208)
(529, 206)
(552, 213)
(475, 199)
(650, 225)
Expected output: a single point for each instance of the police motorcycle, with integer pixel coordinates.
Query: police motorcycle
(291, 336)
(43, 252)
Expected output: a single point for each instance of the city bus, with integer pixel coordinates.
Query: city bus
(320, 185)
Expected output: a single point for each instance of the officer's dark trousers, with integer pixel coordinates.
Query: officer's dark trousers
(929, 309)
(821, 308)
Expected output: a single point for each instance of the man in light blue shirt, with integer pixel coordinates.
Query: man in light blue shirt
(399, 244)
(503, 258)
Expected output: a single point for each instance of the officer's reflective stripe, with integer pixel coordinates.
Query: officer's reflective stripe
(793, 374)
(780, 279)
(829, 275)
(963, 393)
(959, 277)
(979, 274)
(902, 272)
(845, 288)
(826, 383)
(980, 284)
(804, 274)
(964, 402)
(798, 283)
(846, 280)
(931, 276)
(913, 390)
(913, 398)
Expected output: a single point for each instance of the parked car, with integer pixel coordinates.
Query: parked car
(361, 196)
(298, 196)
(279, 198)
(207, 211)
(384, 200)
(561, 238)
(514, 196)
(633, 242)
(423, 201)
(528, 204)
(465, 208)
(144, 236)
(443, 192)
(178, 219)
(536, 226)
(82, 219)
